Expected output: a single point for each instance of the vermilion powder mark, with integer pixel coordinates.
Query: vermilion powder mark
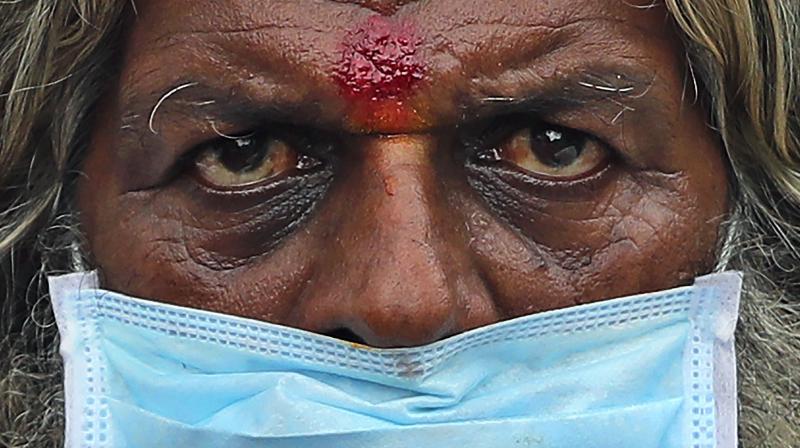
(379, 68)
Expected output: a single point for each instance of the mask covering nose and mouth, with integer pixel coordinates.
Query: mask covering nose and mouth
(651, 370)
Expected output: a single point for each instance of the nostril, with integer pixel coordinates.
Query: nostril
(346, 335)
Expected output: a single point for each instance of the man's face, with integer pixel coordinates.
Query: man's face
(397, 172)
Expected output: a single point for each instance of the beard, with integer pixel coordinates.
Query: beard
(31, 389)
(767, 342)
(768, 350)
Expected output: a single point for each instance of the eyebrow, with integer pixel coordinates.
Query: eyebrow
(615, 80)
(617, 86)
(184, 99)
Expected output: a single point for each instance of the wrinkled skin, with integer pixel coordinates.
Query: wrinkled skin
(398, 235)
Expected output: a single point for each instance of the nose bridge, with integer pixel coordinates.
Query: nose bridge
(402, 199)
(399, 182)
(396, 269)
(406, 295)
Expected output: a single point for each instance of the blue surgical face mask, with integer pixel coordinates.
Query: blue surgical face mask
(652, 370)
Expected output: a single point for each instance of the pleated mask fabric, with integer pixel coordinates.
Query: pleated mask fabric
(652, 370)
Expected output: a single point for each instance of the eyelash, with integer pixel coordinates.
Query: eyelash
(473, 138)
(487, 134)
(304, 140)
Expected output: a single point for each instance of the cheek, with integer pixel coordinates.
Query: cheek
(641, 231)
(171, 257)
(229, 230)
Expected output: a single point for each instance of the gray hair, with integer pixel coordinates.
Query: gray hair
(746, 56)
(56, 57)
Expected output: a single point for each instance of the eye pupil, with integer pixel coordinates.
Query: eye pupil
(556, 149)
(242, 155)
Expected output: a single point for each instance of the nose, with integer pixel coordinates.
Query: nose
(397, 269)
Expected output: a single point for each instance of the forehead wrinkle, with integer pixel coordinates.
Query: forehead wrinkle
(508, 22)
(547, 49)
(146, 77)
(385, 7)
(231, 17)
(538, 56)
(554, 33)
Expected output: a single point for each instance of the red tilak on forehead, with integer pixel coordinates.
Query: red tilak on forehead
(379, 68)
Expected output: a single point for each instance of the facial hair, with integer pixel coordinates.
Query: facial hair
(767, 341)
(31, 384)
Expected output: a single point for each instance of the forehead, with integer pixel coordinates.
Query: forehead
(446, 23)
(287, 52)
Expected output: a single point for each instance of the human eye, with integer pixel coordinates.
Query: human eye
(545, 151)
(253, 160)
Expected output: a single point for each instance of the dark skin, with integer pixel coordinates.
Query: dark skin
(547, 154)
